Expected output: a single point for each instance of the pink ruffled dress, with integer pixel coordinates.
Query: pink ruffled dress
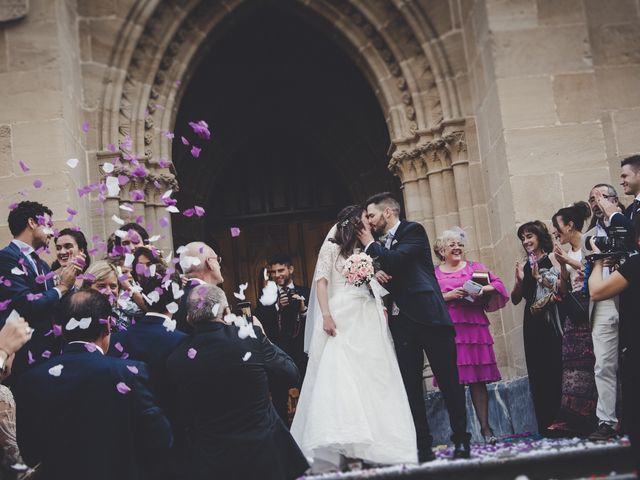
(476, 358)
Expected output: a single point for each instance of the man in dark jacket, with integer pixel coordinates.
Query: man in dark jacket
(419, 319)
(220, 378)
(83, 414)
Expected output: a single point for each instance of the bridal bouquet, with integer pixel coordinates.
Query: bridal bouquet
(358, 269)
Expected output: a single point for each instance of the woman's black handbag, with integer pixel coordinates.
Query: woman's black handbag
(576, 306)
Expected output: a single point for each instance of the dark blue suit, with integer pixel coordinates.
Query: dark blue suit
(39, 313)
(624, 219)
(234, 430)
(78, 424)
(423, 324)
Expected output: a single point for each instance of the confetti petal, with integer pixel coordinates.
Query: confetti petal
(37, 183)
(195, 151)
(117, 219)
(191, 353)
(25, 168)
(246, 356)
(123, 388)
(184, 141)
(112, 148)
(136, 195)
(73, 162)
(133, 369)
(56, 370)
(108, 167)
(235, 231)
(163, 222)
(86, 126)
(172, 307)
(199, 211)
(172, 209)
(188, 212)
(241, 289)
(201, 129)
(113, 186)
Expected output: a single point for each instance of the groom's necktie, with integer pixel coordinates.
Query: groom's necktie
(384, 239)
(634, 208)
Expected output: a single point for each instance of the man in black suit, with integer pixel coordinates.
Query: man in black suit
(200, 264)
(630, 181)
(220, 378)
(29, 284)
(419, 318)
(284, 323)
(83, 414)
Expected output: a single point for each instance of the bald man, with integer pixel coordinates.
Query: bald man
(201, 265)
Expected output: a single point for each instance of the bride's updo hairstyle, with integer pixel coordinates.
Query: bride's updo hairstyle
(349, 223)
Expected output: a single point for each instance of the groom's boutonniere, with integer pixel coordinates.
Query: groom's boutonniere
(394, 242)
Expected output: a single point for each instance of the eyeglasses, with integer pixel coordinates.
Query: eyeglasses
(593, 199)
(218, 259)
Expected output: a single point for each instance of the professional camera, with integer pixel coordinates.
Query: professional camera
(618, 244)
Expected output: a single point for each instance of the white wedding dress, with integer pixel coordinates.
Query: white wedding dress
(352, 401)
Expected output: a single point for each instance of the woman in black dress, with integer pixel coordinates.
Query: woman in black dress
(537, 283)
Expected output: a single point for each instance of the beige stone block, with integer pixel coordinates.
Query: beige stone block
(577, 185)
(627, 128)
(3, 51)
(84, 38)
(511, 14)
(576, 97)
(536, 197)
(30, 95)
(495, 167)
(54, 192)
(615, 44)
(454, 51)
(438, 13)
(463, 86)
(97, 8)
(526, 101)
(40, 144)
(541, 50)
(553, 149)
(603, 12)
(5, 151)
(618, 87)
(92, 78)
(606, 118)
(31, 48)
(560, 12)
(501, 211)
(483, 230)
(41, 11)
(104, 33)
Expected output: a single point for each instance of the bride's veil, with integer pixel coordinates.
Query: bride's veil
(314, 315)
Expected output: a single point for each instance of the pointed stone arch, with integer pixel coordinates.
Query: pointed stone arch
(161, 42)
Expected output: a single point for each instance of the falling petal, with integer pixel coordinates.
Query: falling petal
(162, 163)
(25, 168)
(169, 324)
(118, 346)
(246, 356)
(73, 162)
(199, 211)
(188, 212)
(117, 219)
(163, 222)
(123, 180)
(184, 141)
(113, 186)
(57, 330)
(155, 238)
(133, 369)
(172, 209)
(139, 172)
(201, 129)
(123, 388)
(195, 151)
(4, 305)
(136, 195)
(86, 126)
(235, 231)
(17, 271)
(108, 167)
(56, 371)
(241, 288)
(112, 148)
(13, 206)
(172, 307)
(191, 353)
(127, 207)
(269, 294)
(215, 309)
(72, 211)
(37, 183)
(91, 347)
(169, 135)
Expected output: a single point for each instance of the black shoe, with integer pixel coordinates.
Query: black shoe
(603, 433)
(461, 450)
(426, 455)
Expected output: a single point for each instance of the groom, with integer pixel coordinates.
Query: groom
(419, 319)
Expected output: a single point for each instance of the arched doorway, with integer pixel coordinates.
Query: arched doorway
(297, 133)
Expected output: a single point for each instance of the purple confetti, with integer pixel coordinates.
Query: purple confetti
(169, 135)
(199, 211)
(86, 126)
(188, 212)
(163, 222)
(127, 143)
(235, 231)
(32, 297)
(195, 151)
(25, 168)
(201, 129)
(112, 148)
(119, 347)
(72, 211)
(123, 388)
(57, 330)
(91, 347)
(13, 206)
(184, 141)
(163, 163)
(37, 183)
(30, 358)
(46, 354)
(136, 195)
(191, 353)
(139, 172)
(123, 180)
(133, 369)
(4, 305)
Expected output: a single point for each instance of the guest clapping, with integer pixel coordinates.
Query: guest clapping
(71, 246)
(476, 359)
(537, 281)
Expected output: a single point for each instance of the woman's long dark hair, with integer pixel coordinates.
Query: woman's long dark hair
(540, 230)
(81, 241)
(578, 213)
(349, 223)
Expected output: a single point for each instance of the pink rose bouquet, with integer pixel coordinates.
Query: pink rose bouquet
(358, 269)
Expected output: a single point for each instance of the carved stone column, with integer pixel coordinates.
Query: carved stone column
(425, 195)
(403, 165)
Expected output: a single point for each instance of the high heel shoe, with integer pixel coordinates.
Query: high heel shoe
(490, 439)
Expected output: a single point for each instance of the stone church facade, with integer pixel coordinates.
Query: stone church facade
(498, 111)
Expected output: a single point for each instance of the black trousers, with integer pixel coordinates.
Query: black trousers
(411, 339)
(631, 398)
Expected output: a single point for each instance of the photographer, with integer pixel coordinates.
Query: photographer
(630, 181)
(625, 281)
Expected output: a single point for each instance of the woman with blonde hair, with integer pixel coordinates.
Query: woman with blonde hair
(103, 277)
(476, 359)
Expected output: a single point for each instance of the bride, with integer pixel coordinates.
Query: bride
(352, 403)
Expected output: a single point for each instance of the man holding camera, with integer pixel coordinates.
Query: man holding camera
(630, 181)
(284, 324)
(604, 324)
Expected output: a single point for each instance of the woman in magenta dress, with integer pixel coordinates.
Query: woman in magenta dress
(476, 359)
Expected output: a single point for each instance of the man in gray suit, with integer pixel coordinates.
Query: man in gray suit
(604, 322)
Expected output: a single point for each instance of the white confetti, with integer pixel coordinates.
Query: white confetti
(167, 194)
(246, 356)
(113, 187)
(172, 209)
(269, 294)
(172, 307)
(120, 234)
(215, 309)
(152, 270)
(128, 260)
(56, 371)
(152, 298)
(240, 295)
(169, 324)
(126, 207)
(155, 238)
(176, 290)
(108, 167)
(82, 324)
(117, 219)
(17, 271)
(187, 262)
(73, 162)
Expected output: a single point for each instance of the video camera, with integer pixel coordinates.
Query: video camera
(617, 245)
